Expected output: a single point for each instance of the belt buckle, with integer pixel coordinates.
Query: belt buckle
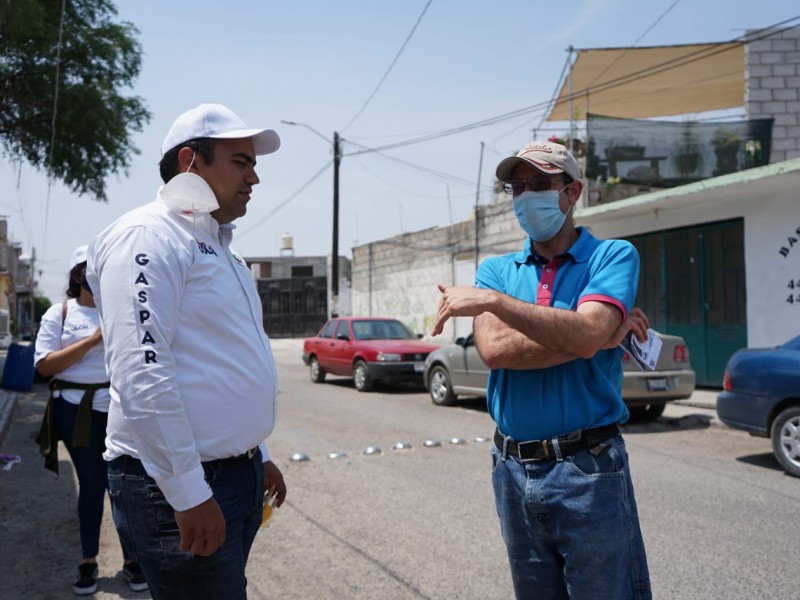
(532, 459)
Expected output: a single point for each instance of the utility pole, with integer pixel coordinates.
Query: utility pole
(477, 198)
(337, 158)
(33, 292)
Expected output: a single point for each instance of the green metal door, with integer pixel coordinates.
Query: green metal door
(692, 285)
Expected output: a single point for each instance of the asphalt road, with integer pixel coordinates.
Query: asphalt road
(719, 517)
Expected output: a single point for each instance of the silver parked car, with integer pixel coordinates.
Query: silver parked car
(457, 370)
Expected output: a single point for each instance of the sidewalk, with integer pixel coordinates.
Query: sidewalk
(38, 519)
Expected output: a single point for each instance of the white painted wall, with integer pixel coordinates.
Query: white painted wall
(771, 222)
(769, 229)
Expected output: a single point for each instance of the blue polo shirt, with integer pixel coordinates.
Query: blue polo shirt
(543, 403)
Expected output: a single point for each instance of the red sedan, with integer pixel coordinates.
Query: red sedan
(368, 349)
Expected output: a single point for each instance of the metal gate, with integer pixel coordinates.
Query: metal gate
(692, 284)
(295, 307)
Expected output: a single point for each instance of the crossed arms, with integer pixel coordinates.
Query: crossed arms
(513, 334)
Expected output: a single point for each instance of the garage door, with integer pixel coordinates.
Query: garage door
(692, 284)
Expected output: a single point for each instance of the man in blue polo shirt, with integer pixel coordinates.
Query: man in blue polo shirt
(548, 321)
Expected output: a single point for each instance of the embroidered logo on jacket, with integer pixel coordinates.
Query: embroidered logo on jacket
(205, 248)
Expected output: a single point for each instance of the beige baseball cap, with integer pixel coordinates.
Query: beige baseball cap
(546, 157)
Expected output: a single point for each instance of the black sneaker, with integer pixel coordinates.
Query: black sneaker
(87, 579)
(133, 573)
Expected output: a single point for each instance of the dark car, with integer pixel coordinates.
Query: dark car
(368, 349)
(761, 395)
(457, 369)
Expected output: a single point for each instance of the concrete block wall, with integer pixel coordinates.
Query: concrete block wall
(772, 88)
(397, 277)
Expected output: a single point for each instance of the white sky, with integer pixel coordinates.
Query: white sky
(317, 62)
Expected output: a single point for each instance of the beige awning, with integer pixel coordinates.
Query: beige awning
(654, 81)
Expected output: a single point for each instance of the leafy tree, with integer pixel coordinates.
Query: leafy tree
(94, 61)
(40, 306)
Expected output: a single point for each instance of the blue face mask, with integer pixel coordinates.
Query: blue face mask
(539, 214)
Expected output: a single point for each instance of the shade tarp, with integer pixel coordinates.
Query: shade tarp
(654, 81)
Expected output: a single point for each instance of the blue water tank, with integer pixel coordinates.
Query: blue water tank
(19, 372)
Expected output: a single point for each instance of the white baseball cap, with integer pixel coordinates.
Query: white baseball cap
(78, 256)
(546, 157)
(218, 122)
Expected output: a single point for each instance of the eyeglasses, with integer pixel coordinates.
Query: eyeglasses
(535, 184)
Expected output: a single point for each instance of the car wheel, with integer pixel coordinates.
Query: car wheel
(785, 436)
(647, 413)
(440, 388)
(317, 373)
(361, 377)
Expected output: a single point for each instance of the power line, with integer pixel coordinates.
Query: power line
(53, 128)
(280, 205)
(391, 66)
(637, 40)
(404, 190)
(628, 78)
(426, 170)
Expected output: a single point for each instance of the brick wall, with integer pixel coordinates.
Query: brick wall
(772, 88)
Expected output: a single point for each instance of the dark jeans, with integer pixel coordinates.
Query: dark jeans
(571, 527)
(91, 470)
(146, 520)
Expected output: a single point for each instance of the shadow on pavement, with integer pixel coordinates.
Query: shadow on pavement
(669, 424)
(766, 460)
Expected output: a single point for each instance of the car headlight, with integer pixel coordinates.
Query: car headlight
(388, 357)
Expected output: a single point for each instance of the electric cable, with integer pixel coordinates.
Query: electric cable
(283, 203)
(628, 78)
(53, 127)
(389, 70)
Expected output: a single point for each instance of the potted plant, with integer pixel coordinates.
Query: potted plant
(726, 147)
(688, 157)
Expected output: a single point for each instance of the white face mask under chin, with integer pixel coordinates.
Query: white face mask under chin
(189, 194)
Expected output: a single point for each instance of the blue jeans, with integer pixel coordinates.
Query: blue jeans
(144, 518)
(571, 527)
(91, 471)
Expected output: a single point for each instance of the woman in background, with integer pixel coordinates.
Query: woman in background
(69, 349)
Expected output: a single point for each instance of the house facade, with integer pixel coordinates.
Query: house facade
(296, 294)
(720, 257)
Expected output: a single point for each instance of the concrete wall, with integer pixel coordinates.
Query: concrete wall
(398, 277)
(772, 260)
(772, 89)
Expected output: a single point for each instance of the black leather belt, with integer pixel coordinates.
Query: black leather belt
(244, 455)
(248, 455)
(554, 448)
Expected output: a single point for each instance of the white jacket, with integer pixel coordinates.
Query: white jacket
(192, 373)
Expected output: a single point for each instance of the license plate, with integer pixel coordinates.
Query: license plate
(657, 384)
(419, 367)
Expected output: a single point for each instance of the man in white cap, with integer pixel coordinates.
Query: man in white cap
(193, 379)
(548, 321)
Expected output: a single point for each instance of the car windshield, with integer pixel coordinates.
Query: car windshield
(381, 330)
